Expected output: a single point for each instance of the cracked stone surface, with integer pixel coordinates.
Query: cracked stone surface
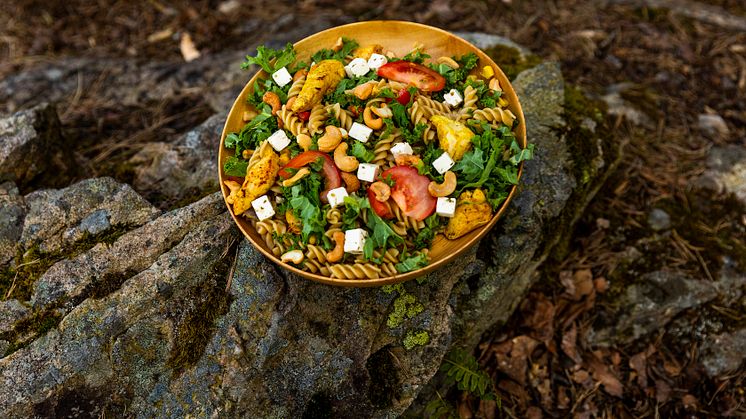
(179, 316)
(28, 139)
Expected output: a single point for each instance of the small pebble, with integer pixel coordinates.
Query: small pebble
(659, 220)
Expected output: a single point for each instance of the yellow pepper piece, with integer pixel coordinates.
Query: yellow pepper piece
(488, 72)
(455, 137)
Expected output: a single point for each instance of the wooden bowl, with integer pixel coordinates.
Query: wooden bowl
(399, 37)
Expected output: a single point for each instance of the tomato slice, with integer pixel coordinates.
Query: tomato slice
(410, 192)
(414, 74)
(332, 179)
(304, 116)
(380, 208)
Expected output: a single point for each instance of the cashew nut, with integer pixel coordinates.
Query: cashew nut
(371, 121)
(338, 45)
(294, 224)
(271, 99)
(344, 162)
(443, 189)
(382, 191)
(246, 154)
(248, 115)
(294, 256)
(449, 62)
(384, 111)
(300, 174)
(339, 249)
(330, 140)
(344, 132)
(304, 141)
(363, 91)
(495, 85)
(407, 160)
(352, 183)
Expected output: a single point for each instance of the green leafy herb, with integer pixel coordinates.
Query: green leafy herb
(401, 119)
(426, 235)
(416, 56)
(264, 56)
(387, 93)
(253, 133)
(383, 235)
(358, 150)
(348, 45)
(412, 263)
(235, 167)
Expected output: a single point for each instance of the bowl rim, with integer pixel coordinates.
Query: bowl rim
(376, 282)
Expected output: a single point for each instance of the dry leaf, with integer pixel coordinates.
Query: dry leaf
(638, 363)
(583, 282)
(568, 344)
(689, 402)
(188, 50)
(533, 412)
(563, 399)
(662, 391)
(487, 409)
(160, 35)
(601, 284)
(228, 7)
(539, 314)
(512, 357)
(601, 373)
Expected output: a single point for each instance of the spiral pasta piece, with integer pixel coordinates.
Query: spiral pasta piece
(316, 267)
(316, 119)
(314, 252)
(296, 87)
(355, 271)
(291, 121)
(344, 117)
(495, 116)
(382, 150)
(409, 222)
(266, 228)
(432, 107)
(470, 103)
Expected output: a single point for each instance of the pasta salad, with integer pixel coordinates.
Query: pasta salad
(350, 165)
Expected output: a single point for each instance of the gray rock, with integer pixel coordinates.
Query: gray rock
(651, 303)
(488, 40)
(57, 218)
(713, 126)
(659, 220)
(184, 168)
(726, 171)
(11, 312)
(169, 341)
(723, 353)
(69, 279)
(617, 106)
(28, 140)
(12, 211)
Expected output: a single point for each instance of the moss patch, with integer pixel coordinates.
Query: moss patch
(406, 305)
(32, 264)
(511, 61)
(28, 329)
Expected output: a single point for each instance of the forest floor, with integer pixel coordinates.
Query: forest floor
(672, 65)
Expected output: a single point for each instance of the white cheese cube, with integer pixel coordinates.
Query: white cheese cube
(401, 149)
(367, 172)
(443, 163)
(282, 77)
(453, 98)
(355, 240)
(336, 196)
(279, 140)
(263, 208)
(377, 60)
(445, 207)
(360, 132)
(357, 68)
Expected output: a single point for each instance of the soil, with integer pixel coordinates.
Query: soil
(674, 68)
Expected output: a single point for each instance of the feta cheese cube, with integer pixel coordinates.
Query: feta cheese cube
(377, 60)
(401, 149)
(443, 163)
(453, 98)
(445, 207)
(360, 132)
(367, 172)
(357, 68)
(282, 77)
(355, 240)
(336, 196)
(279, 140)
(263, 207)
